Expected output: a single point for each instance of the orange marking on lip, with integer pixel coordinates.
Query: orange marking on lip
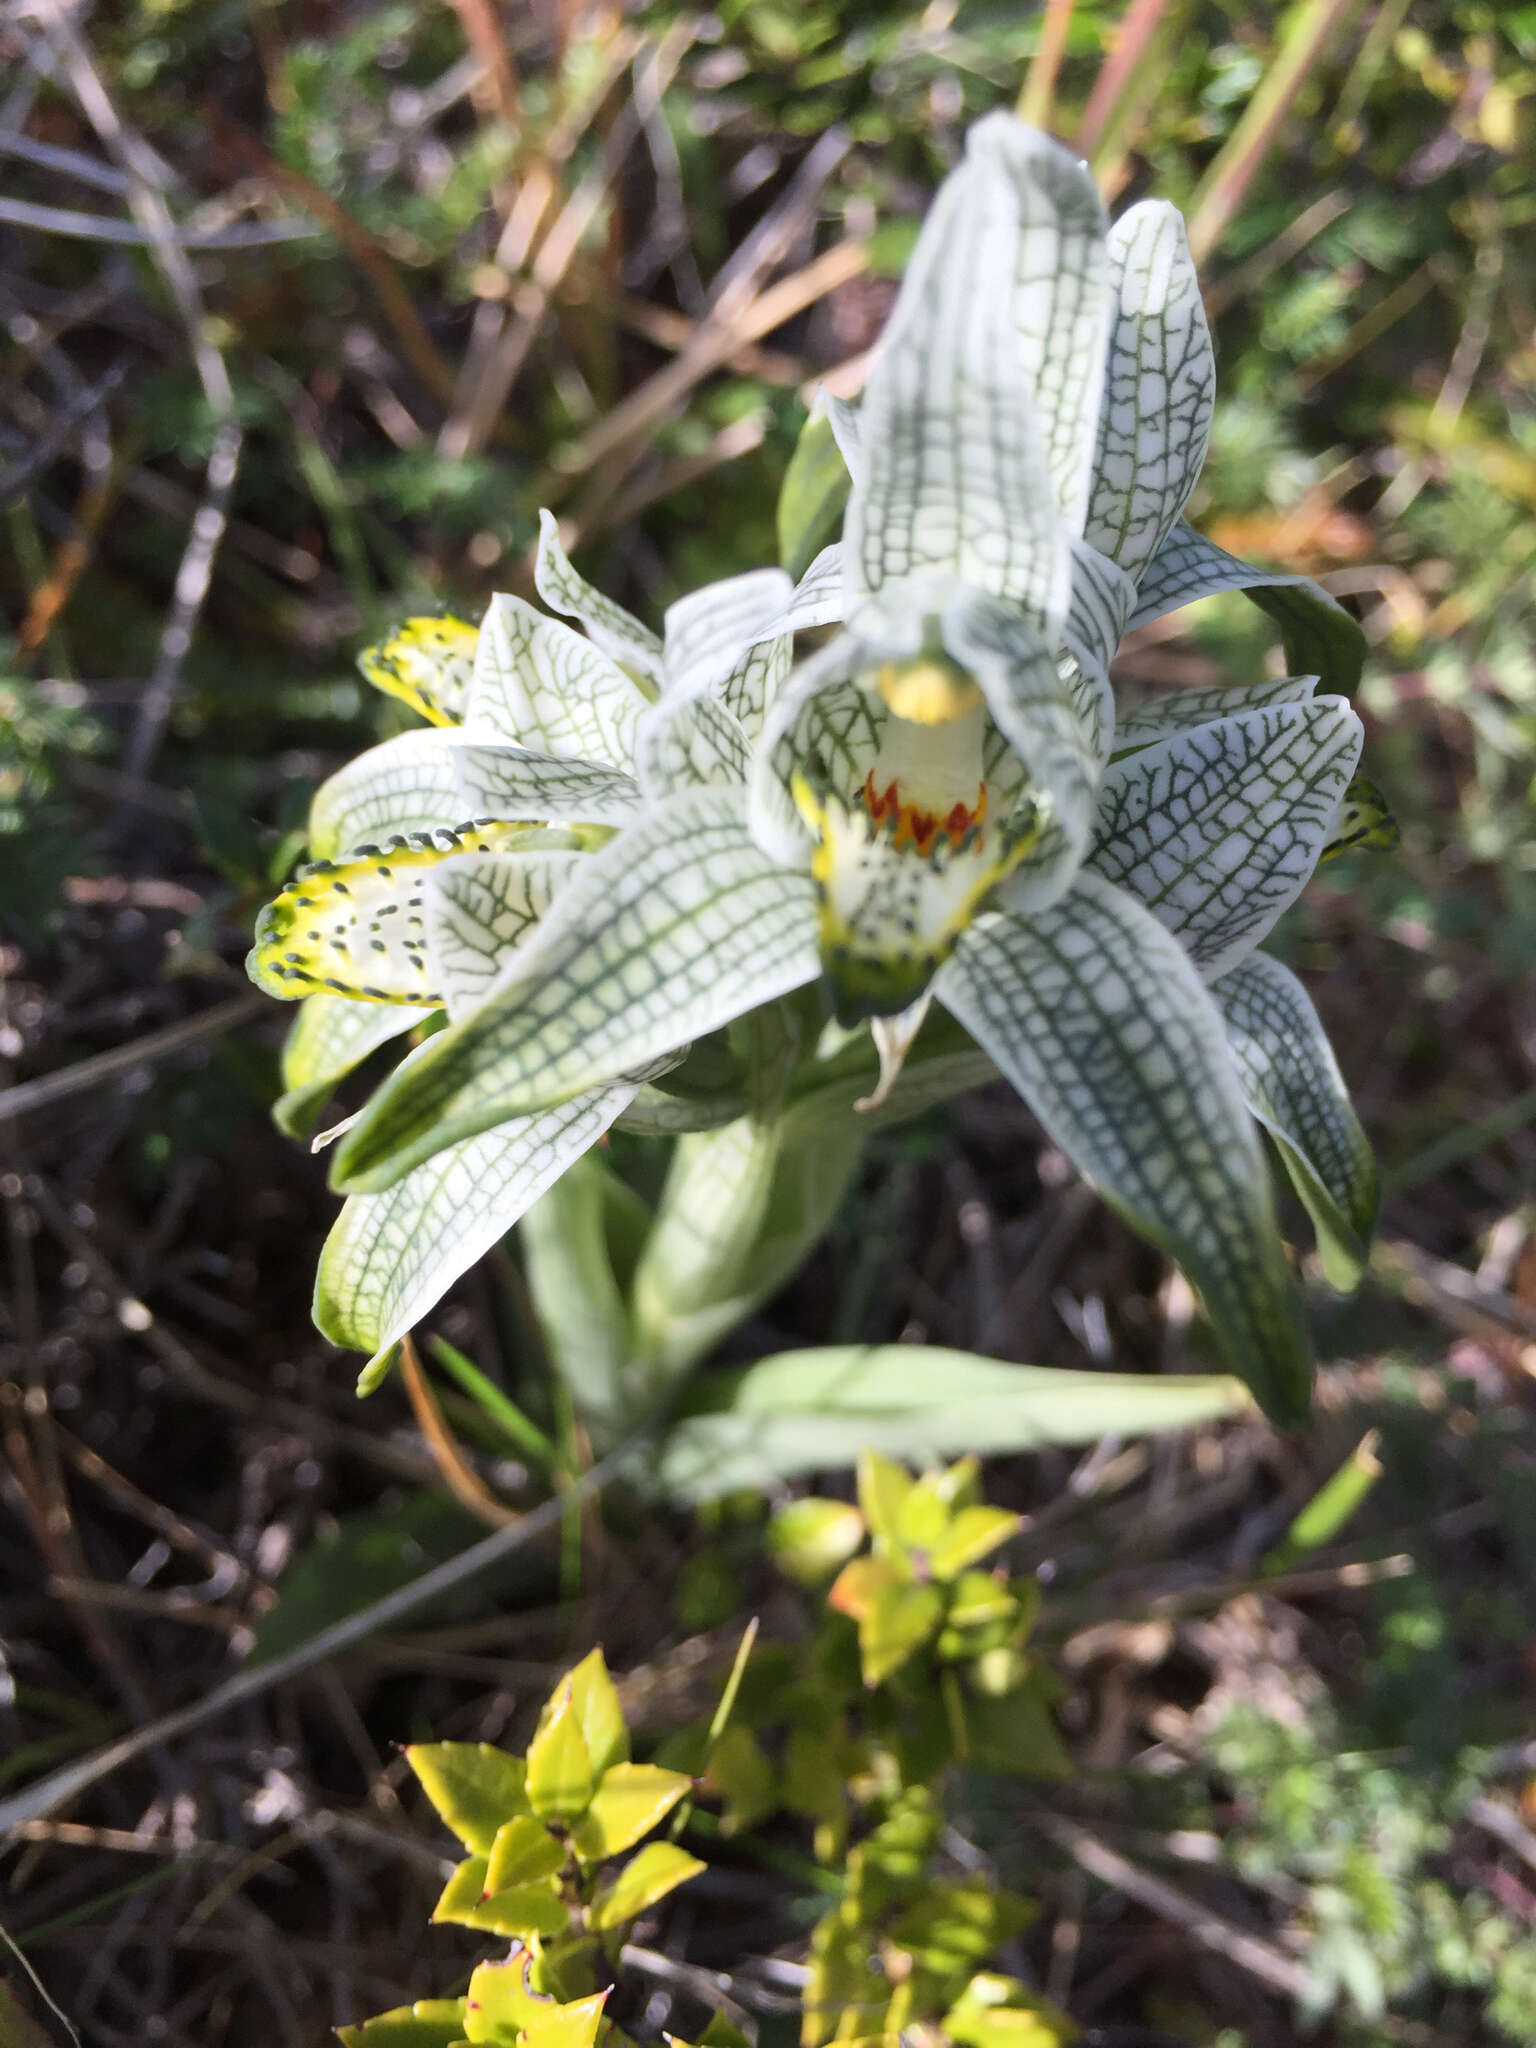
(919, 829)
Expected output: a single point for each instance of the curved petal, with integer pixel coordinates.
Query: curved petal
(426, 663)
(478, 907)
(957, 475)
(513, 782)
(679, 925)
(329, 1037)
(541, 686)
(391, 1257)
(706, 632)
(1296, 1091)
(1217, 830)
(1095, 1014)
(691, 742)
(822, 720)
(1159, 389)
(406, 784)
(615, 630)
(1320, 636)
(1177, 710)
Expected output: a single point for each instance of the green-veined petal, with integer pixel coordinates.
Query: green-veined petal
(674, 928)
(1159, 388)
(1177, 710)
(689, 742)
(391, 1257)
(478, 907)
(1320, 636)
(607, 623)
(1218, 829)
(1296, 1091)
(512, 782)
(1103, 598)
(407, 784)
(537, 684)
(956, 479)
(328, 1038)
(1096, 1015)
(427, 663)
(707, 631)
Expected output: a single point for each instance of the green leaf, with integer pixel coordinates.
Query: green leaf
(1099, 1019)
(539, 685)
(1159, 388)
(998, 2012)
(607, 623)
(476, 1789)
(884, 1489)
(1294, 1088)
(631, 1800)
(740, 1209)
(956, 1923)
(811, 1539)
(1217, 830)
(896, 1624)
(391, 1257)
(973, 1534)
(813, 493)
(1013, 1732)
(560, 1778)
(364, 1556)
(1321, 638)
(520, 1911)
(501, 2008)
(678, 925)
(330, 1036)
(523, 1852)
(427, 663)
(740, 1775)
(707, 632)
(430, 2023)
(568, 1254)
(407, 784)
(969, 423)
(816, 1410)
(597, 1709)
(659, 1868)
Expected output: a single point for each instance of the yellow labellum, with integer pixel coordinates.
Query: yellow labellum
(427, 663)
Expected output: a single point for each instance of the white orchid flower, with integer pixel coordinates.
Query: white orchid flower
(409, 912)
(936, 804)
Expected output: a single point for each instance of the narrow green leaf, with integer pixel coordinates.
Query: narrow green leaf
(391, 1257)
(677, 926)
(816, 1410)
(1329, 1508)
(659, 1868)
(631, 1800)
(1218, 829)
(1321, 638)
(560, 1778)
(576, 1295)
(539, 685)
(813, 493)
(1294, 1088)
(1099, 1019)
(475, 1788)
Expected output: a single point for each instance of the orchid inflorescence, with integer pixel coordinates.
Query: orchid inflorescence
(608, 848)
